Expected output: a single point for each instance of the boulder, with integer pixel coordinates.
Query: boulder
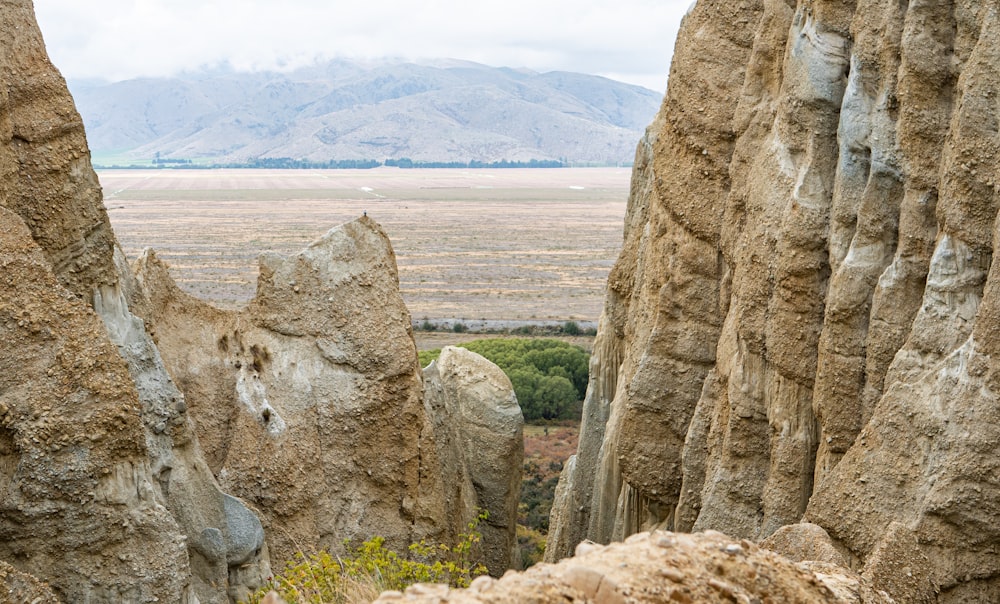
(804, 542)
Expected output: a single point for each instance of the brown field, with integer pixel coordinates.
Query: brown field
(430, 340)
(517, 244)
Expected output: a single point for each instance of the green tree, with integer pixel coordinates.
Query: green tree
(571, 328)
(554, 396)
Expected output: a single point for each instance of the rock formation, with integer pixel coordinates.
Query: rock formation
(310, 403)
(661, 567)
(45, 173)
(78, 504)
(477, 426)
(802, 322)
(797, 348)
(105, 493)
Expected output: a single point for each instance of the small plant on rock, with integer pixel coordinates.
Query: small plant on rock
(371, 568)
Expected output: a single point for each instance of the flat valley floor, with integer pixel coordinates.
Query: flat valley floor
(502, 244)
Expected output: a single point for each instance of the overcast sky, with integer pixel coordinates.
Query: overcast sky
(627, 40)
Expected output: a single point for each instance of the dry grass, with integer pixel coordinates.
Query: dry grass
(549, 446)
(490, 244)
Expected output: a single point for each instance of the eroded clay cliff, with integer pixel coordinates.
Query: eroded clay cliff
(127, 442)
(310, 403)
(105, 494)
(802, 321)
(477, 427)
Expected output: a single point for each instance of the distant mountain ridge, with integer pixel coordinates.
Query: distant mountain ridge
(447, 110)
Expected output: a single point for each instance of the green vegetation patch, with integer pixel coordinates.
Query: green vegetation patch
(371, 568)
(549, 376)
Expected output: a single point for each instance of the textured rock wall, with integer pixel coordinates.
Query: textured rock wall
(16, 586)
(104, 492)
(477, 426)
(801, 322)
(78, 505)
(661, 567)
(310, 404)
(45, 172)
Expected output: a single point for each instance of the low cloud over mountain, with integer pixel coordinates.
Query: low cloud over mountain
(343, 110)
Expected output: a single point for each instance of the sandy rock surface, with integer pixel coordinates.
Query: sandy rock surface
(660, 567)
(478, 424)
(106, 495)
(802, 322)
(79, 507)
(17, 587)
(45, 172)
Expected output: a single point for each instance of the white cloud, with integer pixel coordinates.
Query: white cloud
(630, 40)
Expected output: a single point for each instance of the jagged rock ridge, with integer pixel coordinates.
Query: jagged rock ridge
(802, 321)
(662, 567)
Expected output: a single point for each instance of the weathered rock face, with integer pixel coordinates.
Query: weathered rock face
(105, 493)
(662, 567)
(225, 539)
(477, 426)
(78, 505)
(803, 317)
(45, 172)
(309, 401)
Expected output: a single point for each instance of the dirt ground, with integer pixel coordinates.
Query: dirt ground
(519, 244)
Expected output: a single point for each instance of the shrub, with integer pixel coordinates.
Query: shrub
(532, 546)
(459, 328)
(571, 328)
(371, 568)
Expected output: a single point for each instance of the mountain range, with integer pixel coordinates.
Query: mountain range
(439, 111)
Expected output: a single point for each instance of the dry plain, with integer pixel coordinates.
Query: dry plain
(502, 244)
